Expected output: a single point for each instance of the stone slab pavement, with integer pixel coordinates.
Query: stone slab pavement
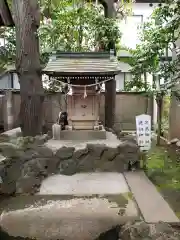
(89, 210)
(152, 205)
(84, 184)
(80, 219)
(96, 203)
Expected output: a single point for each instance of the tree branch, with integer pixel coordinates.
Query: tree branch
(5, 14)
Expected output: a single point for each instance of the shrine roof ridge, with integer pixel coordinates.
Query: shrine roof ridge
(60, 54)
(82, 63)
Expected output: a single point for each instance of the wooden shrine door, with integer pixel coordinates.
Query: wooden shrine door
(83, 112)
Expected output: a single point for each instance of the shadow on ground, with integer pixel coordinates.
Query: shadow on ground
(112, 234)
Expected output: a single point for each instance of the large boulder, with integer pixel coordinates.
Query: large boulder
(65, 153)
(28, 185)
(30, 142)
(10, 150)
(34, 171)
(78, 153)
(128, 147)
(43, 151)
(23, 142)
(10, 170)
(41, 139)
(11, 134)
(36, 152)
(96, 150)
(40, 167)
(144, 231)
(68, 167)
(131, 152)
(129, 138)
(35, 167)
(121, 163)
(109, 154)
(88, 163)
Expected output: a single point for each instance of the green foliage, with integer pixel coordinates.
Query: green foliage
(67, 25)
(76, 26)
(157, 35)
(163, 169)
(8, 51)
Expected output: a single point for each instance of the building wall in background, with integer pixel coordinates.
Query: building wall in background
(128, 105)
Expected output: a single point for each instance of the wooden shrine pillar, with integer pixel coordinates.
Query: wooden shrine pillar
(110, 103)
(110, 86)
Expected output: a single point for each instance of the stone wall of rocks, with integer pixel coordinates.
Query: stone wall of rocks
(25, 162)
(142, 231)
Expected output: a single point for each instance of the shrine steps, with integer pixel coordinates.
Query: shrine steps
(82, 135)
(77, 207)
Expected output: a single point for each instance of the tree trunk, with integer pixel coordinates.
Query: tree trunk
(27, 19)
(159, 100)
(147, 97)
(110, 103)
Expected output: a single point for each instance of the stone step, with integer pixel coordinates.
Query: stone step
(152, 205)
(66, 217)
(84, 184)
(78, 207)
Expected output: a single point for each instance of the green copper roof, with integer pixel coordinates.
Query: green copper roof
(82, 64)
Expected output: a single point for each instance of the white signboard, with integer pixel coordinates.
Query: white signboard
(143, 131)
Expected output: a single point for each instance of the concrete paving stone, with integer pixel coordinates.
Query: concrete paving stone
(84, 184)
(152, 205)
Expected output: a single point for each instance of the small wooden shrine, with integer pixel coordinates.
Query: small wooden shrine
(85, 74)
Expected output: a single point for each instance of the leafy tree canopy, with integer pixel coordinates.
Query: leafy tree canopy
(158, 35)
(67, 25)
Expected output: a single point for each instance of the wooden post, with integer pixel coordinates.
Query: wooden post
(110, 86)
(110, 103)
(8, 111)
(147, 97)
(159, 120)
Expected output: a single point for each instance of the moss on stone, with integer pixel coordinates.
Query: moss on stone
(120, 199)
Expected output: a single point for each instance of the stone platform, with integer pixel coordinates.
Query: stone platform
(23, 168)
(82, 135)
(111, 141)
